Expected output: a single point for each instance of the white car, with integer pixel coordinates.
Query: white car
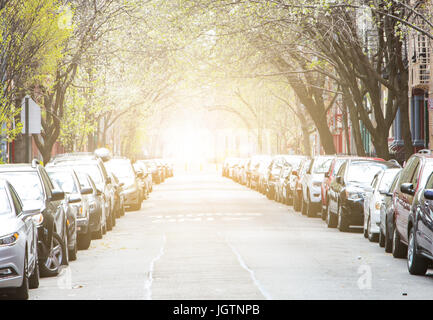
(19, 268)
(312, 183)
(373, 200)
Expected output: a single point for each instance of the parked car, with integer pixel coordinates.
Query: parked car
(336, 163)
(407, 208)
(295, 162)
(282, 186)
(40, 198)
(147, 172)
(312, 183)
(420, 229)
(19, 270)
(83, 162)
(387, 216)
(260, 174)
(347, 191)
(297, 184)
(125, 172)
(119, 195)
(98, 210)
(156, 175)
(80, 200)
(373, 200)
(143, 179)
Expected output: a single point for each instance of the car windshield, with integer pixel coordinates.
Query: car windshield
(321, 165)
(64, 180)
(387, 179)
(363, 172)
(122, 169)
(27, 184)
(92, 170)
(337, 166)
(5, 207)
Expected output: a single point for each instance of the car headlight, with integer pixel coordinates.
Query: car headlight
(9, 239)
(38, 219)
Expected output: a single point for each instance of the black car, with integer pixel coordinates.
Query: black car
(420, 243)
(38, 194)
(346, 193)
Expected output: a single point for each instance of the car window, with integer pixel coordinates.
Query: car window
(27, 184)
(64, 180)
(407, 173)
(374, 182)
(415, 175)
(92, 170)
(362, 172)
(388, 179)
(342, 169)
(5, 207)
(429, 184)
(123, 169)
(337, 166)
(321, 165)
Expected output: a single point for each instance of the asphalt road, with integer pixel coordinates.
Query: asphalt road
(202, 236)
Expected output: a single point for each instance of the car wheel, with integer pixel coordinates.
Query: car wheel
(331, 219)
(296, 203)
(399, 250)
(388, 240)
(372, 237)
(310, 210)
(342, 224)
(416, 264)
(303, 207)
(22, 292)
(72, 254)
(84, 240)
(381, 239)
(50, 267)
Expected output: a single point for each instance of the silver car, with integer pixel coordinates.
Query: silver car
(19, 270)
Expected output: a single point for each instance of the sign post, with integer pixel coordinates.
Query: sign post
(31, 119)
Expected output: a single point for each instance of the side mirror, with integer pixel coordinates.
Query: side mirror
(57, 195)
(428, 194)
(74, 198)
(407, 188)
(86, 191)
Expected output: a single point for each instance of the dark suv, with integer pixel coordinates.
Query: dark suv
(412, 215)
(38, 194)
(346, 193)
(89, 163)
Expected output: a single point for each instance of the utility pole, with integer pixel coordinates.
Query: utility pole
(27, 135)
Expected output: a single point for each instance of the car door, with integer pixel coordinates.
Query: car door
(335, 188)
(27, 226)
(404, 201)
(424, 220)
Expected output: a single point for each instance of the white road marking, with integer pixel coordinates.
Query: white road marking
(149, 278)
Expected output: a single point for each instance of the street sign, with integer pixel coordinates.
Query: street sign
(34, 115)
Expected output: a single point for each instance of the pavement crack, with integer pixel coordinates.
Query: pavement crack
(149, 275)
(251, 272)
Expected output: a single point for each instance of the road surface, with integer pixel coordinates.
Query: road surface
(202, 236)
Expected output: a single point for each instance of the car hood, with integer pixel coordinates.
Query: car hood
(8, 225)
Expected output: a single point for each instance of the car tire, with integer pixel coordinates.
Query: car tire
(388, 240)
(303, 207)
(372, 237)
(296, 203)
(51, 266)
(331, 219)
(381, 239)
(310, 210)
(84, 240)
(22, 292)
(342, 224)
(399, 250)
(72, 254)
(34, 278)
(416, 264)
